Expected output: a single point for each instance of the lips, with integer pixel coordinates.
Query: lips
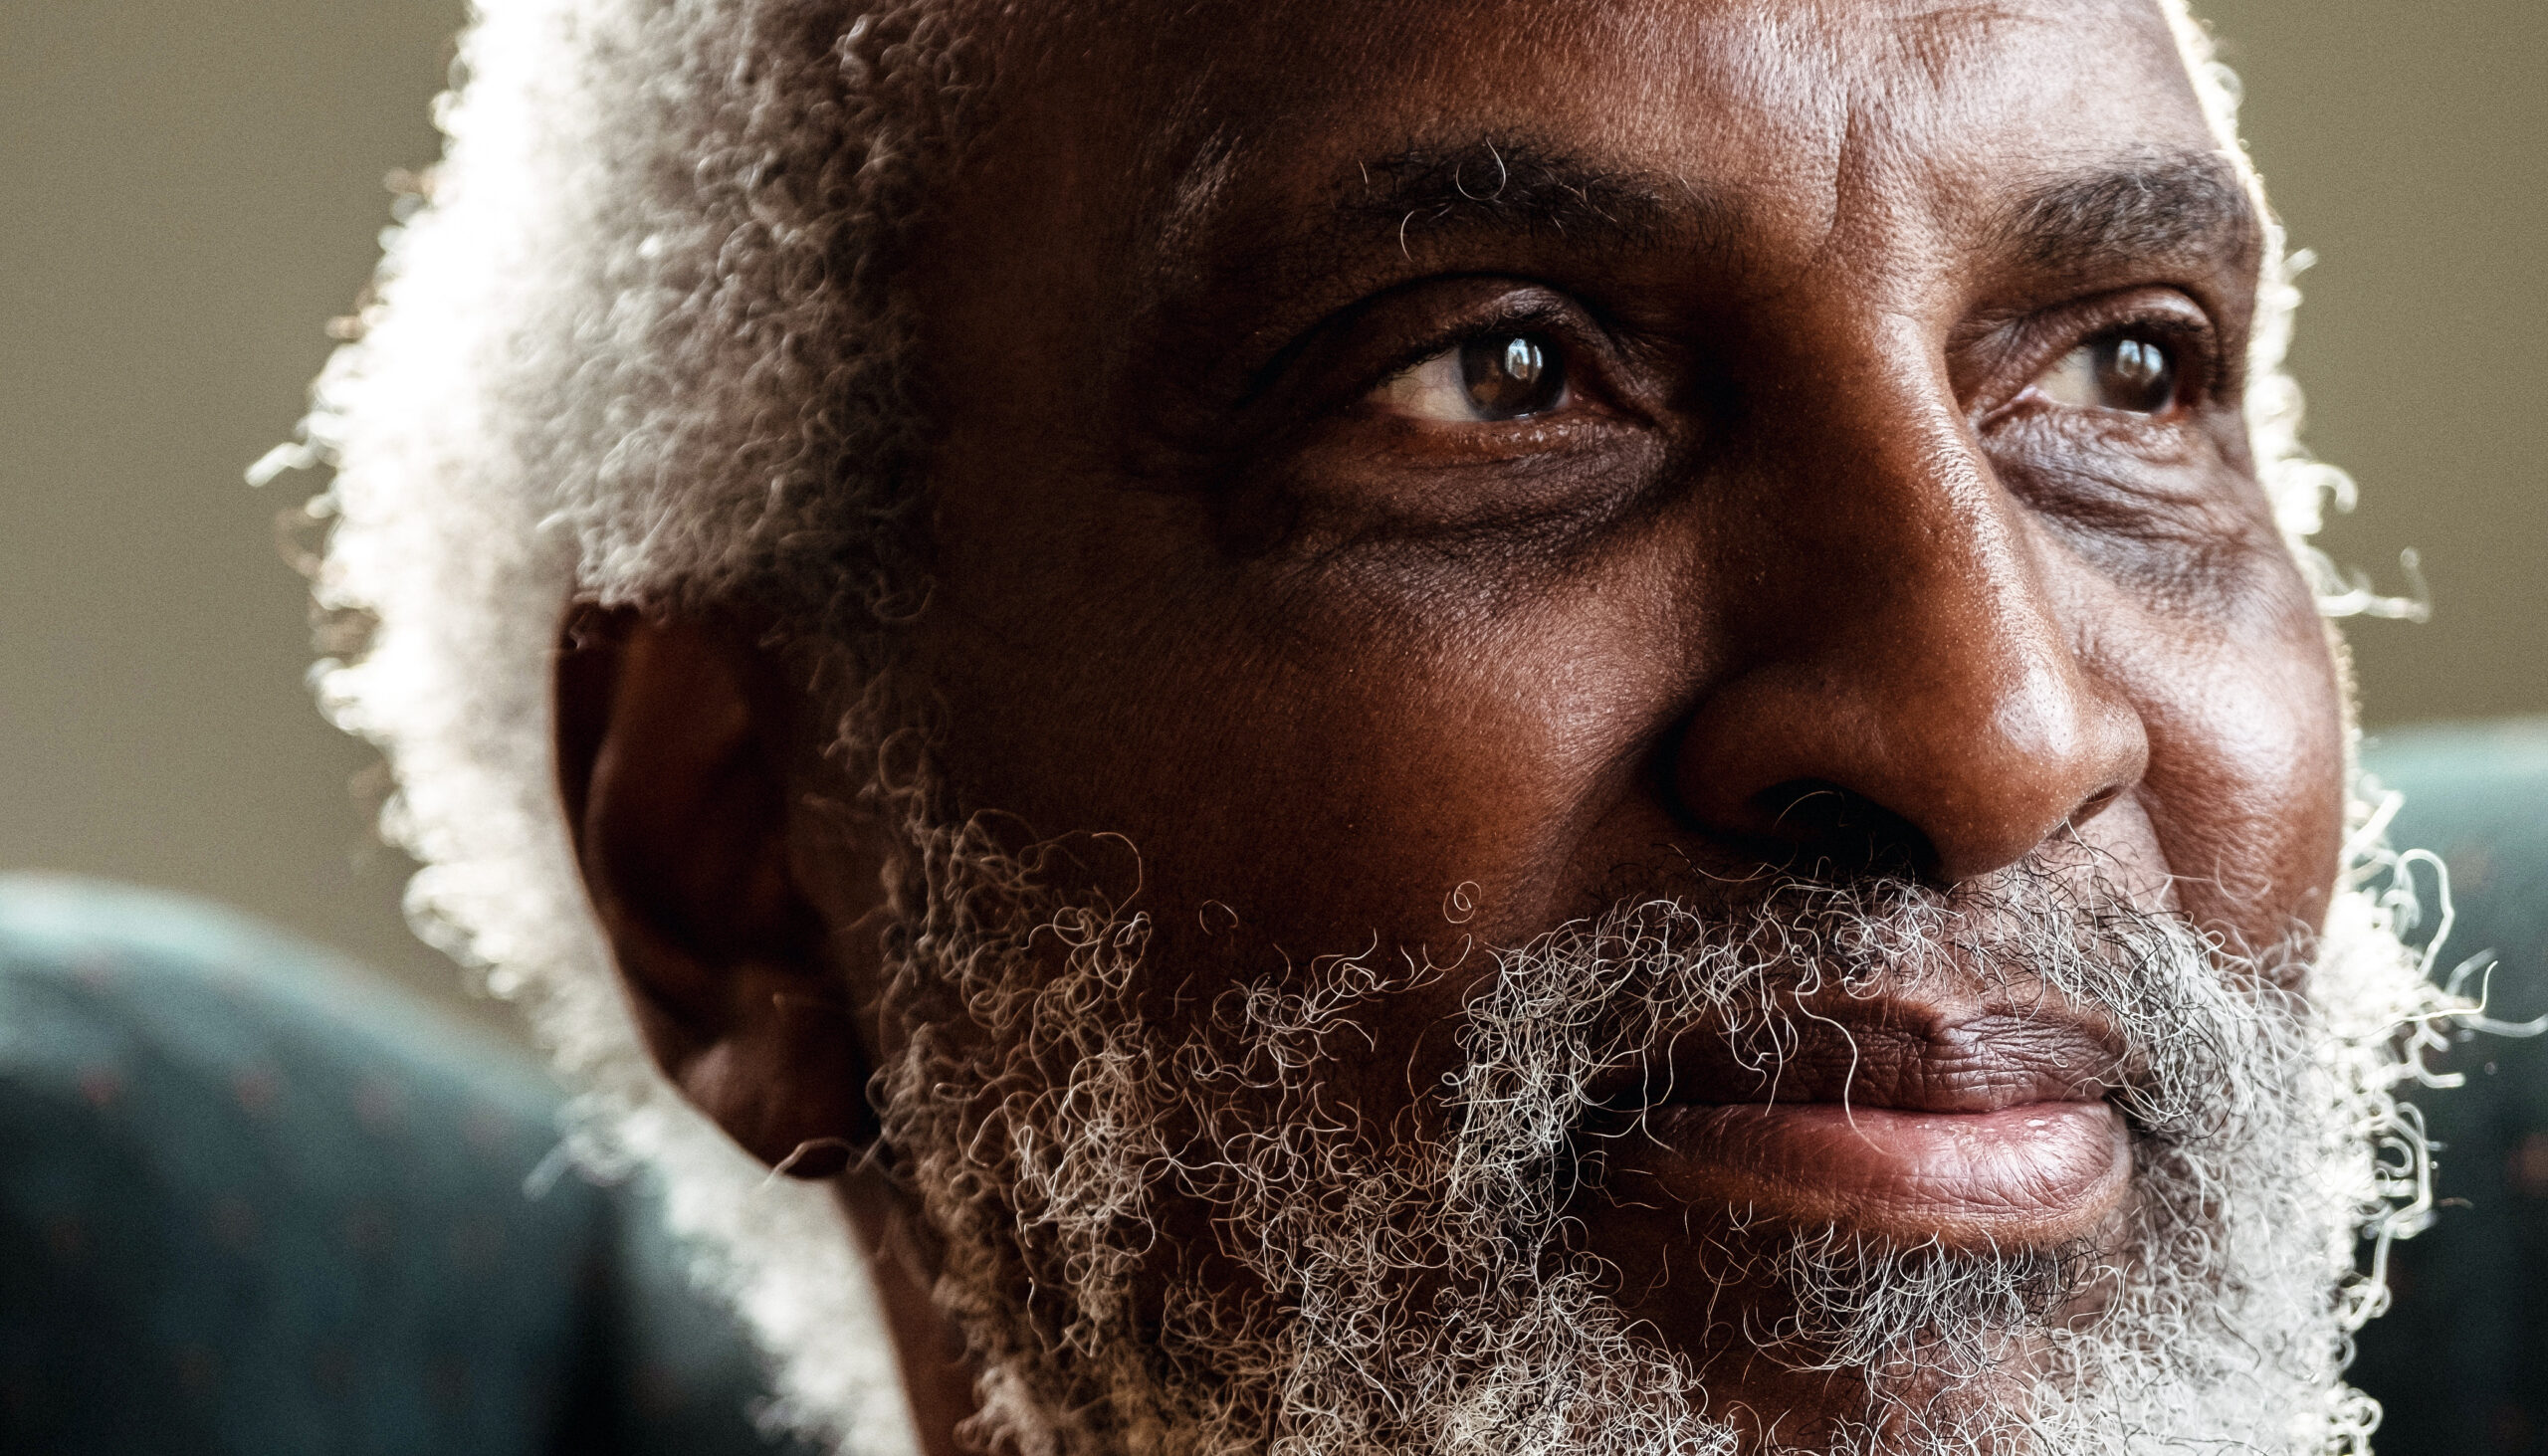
(1974, 1127)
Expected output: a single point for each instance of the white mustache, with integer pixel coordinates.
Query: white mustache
(2127, 996)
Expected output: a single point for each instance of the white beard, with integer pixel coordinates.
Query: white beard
(1407, 1295)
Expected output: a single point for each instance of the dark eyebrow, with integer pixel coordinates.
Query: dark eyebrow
(2187, 205)
(1510, 186)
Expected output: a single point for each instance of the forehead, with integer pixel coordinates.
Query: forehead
(1155, 118)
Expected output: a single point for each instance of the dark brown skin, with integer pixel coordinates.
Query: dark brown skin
(1812, 563)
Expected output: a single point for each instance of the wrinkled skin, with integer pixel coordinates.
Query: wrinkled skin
(1811, 565)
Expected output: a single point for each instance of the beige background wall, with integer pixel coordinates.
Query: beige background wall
(190, 188)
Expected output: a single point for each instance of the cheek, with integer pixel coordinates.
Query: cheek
(1328, 778)
(2245, 786)
(1402, 794)
(1372, 784)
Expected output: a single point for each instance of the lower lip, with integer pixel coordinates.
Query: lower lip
(2043, 1173)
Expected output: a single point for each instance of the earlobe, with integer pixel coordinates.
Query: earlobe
(675, 744)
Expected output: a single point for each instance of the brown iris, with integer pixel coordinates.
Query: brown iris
(2135, 374)
(1511, 377)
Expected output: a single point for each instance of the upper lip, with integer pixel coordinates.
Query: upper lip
(1883, 1051)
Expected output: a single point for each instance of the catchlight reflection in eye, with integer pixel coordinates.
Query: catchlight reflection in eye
(1498, 376)
(2127, 373)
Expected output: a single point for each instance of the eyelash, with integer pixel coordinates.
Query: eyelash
(1545, 321)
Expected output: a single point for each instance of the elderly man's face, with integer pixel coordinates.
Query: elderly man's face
(1538, 447)
(1423, 475)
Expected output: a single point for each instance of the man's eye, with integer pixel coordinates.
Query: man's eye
(2128, 373)
(1498, 376)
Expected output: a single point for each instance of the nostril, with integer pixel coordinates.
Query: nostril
(1827, 829)
(2095, 804)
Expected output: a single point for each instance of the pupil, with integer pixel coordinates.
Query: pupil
(1511, 375)
(1521, 362)
(2137, 376)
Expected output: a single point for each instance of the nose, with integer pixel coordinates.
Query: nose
(1911, 699)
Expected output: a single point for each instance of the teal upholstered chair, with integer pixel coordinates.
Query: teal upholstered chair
(254, 1202)
(2461, 1360)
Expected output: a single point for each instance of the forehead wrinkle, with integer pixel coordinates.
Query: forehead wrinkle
(1193, 197)
(1940, 44)
(1937, 38)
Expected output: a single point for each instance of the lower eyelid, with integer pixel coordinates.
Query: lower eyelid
(1426, 444)
(2070, 442)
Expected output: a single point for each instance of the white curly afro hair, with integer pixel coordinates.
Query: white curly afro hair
(636, 340)
(633, 341)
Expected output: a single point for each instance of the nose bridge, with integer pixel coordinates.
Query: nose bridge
(1946, 622)
(1919, 664)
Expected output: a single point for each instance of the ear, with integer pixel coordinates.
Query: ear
(681, 753)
